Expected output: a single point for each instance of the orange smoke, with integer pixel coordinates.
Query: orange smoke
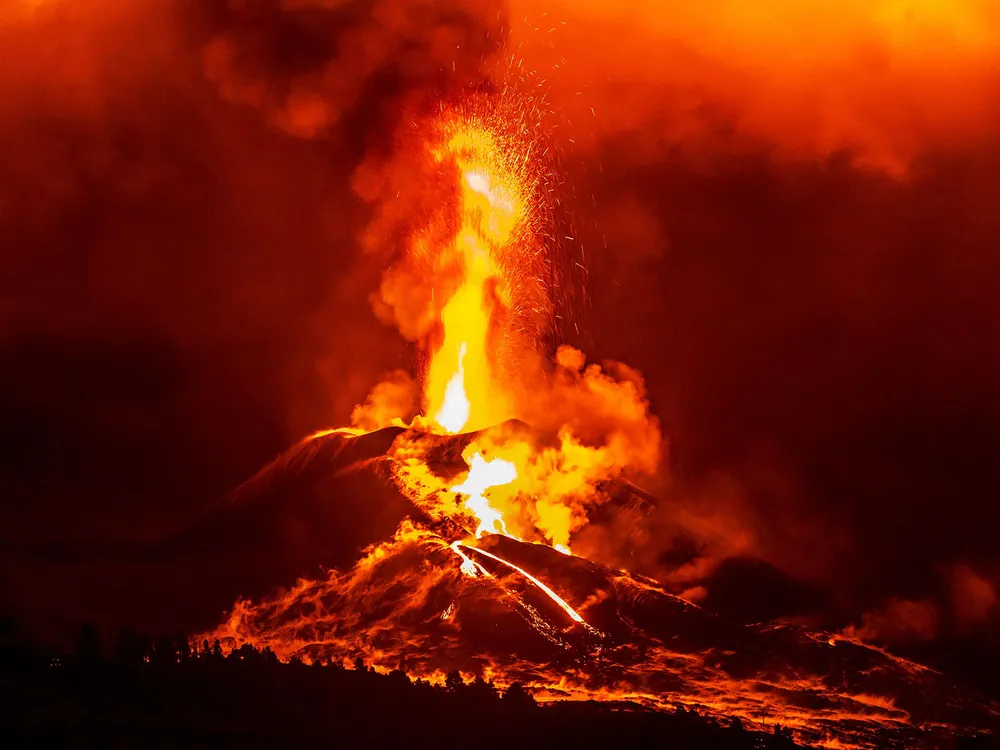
(470, 286)
(882, 79)
(974, 598)
(392, 401)
(538, 478)
(900, 621)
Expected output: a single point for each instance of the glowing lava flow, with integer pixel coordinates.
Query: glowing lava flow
(574, 615)
(469, 566)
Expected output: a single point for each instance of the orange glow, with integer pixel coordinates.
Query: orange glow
(492, 476)
(454, 412)
(883, 79)
(544, 439)
(482, 476)
(462, 391)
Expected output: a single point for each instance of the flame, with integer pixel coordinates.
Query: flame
(482, 476)
(454, 412)
(462, 389)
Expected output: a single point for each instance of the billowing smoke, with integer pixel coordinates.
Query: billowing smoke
(309, 64)
(973, 597)
(590, 425)
(901, 621)
(394, 399)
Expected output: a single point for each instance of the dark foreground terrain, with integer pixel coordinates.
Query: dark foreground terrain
(167, 697)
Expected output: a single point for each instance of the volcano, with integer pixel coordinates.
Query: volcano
(424, 595)
(435, 533)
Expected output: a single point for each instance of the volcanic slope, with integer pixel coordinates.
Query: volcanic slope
(430, 598)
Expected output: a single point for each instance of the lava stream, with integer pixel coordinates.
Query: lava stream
(574, 615)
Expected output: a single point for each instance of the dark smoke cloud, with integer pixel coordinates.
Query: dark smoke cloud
(308, 64)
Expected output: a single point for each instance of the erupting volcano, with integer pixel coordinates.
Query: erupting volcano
(515, 447)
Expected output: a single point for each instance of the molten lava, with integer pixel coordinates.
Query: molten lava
(548, 592)
(461, 388)
(470, 579)
(482, 475)
(454, 412)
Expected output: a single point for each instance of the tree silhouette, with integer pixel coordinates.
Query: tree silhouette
(128, 648)
(399, 678)
(482, 691)
(164, 651)
(182, 648)
(517, 697)
(246, 652)
(454, 683)
(88, 645)
(155, 690)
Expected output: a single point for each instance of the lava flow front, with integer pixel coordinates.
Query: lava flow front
(513, 453)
